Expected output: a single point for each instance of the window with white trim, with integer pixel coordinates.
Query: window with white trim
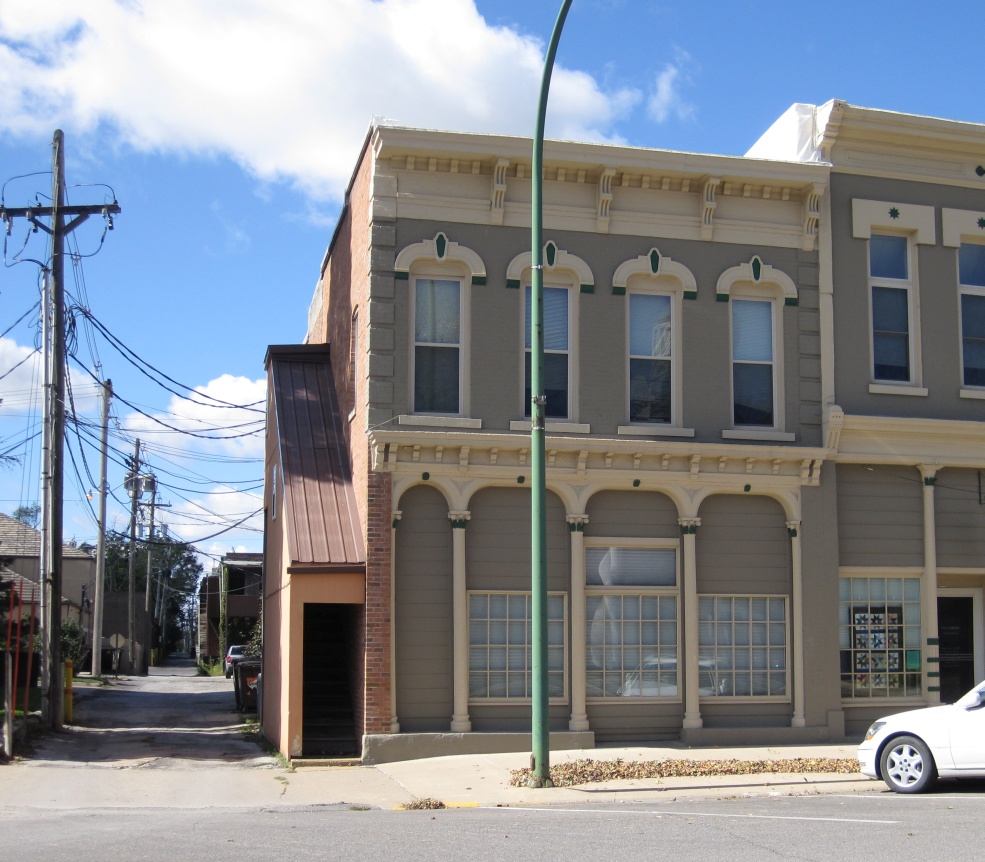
(631, 622)
(651, 357)
(437, 345)
(500, 645)
(879, 631)
(753, 363)
(971, 277)
(891, 308)
(742, 646)
(557, 352)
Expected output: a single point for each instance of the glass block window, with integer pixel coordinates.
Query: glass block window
(742, 646)
(631, 644)
(499, 645)
(879, 630)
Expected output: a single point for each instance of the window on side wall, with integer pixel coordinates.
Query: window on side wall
(631, 622)
(753, 363)
(437, 345)
(742, 646)
(971, 275)
(557, 352)
(879, 629)
(500, 652)
(891, 308)
(651, 357)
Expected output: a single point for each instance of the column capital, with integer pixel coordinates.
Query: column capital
(793, 529)
(576, 523)
(689, 526)
(397, 515)
(459, 519)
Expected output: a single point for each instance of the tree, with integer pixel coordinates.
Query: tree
(175, 572)
(29, 515)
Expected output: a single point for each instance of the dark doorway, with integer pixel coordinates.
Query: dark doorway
(956, 631)
(330, 681)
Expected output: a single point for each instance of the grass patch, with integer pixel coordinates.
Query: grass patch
(211, 668)
(33, 702)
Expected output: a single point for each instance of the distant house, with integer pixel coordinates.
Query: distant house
(20, 551)
(229, 600)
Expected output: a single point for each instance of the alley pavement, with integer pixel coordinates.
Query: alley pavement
(173, 739)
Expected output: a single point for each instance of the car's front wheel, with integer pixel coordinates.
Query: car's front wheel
(907, 765)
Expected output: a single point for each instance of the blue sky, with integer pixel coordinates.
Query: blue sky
(228, 131)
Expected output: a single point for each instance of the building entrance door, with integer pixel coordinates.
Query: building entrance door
(959, 632)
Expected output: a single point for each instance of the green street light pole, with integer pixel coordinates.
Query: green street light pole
(540, 719)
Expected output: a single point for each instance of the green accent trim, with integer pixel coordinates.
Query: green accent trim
(636, 483)
(425, 476)
(396, 521)
(933, 641)
(576, 527)
(791, 300)
(458, 523)
(441, 245)
(933, 659)
(478, 279)
(933, 688)
(401, 275)
(930, 480)
(757, 269)
(588, 288)
(513, 282)
(690, 294)
(792, 532)
(654, 261)
(980, 171)
(618, 291)
(894, 212)
(981, 223)
(747, 488)
(933, 673)
(689, 529)
(520, 480)
(550, 252)
(721, 297)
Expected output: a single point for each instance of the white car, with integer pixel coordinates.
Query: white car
(910, 750)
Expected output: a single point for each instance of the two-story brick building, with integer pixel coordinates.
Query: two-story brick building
(723, 452)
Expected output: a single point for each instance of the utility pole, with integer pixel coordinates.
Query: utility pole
(149, 482)
(97, 601)
(53, 480)
(134, 487)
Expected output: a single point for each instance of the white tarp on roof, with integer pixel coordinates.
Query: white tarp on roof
(795, 136)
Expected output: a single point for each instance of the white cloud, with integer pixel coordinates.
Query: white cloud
(287, 88)
(666, 99)
(20, 387)
(202, 425)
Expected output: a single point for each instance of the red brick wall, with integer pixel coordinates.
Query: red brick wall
(378, 588)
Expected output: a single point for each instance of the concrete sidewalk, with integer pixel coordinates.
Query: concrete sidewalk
(173, 740)
(463, 780)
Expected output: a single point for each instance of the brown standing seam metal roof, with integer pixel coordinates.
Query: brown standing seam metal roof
(323, 524)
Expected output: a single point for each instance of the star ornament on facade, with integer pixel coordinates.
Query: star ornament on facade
(894, 213)
(981, 223)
